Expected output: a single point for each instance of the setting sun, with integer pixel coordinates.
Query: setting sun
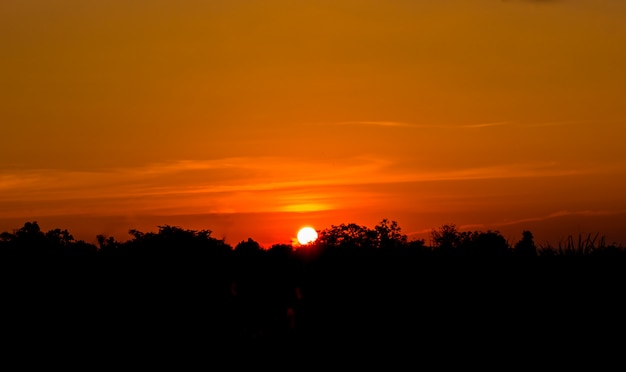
(307, 235)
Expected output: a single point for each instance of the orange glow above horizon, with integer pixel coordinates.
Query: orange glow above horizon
(254, 117)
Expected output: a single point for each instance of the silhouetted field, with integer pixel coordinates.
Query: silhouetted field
(182, 290)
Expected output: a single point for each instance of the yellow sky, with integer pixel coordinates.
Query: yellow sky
(253, 117)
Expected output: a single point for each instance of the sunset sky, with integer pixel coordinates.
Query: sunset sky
(252, 118)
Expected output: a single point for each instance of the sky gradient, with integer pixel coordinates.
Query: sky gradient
(252, 118)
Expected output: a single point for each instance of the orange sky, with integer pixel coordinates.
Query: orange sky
(252, 118)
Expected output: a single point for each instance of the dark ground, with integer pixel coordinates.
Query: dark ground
(358, 312)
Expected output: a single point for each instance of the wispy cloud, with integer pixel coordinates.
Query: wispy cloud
(531, 1)
(486, 125)
(558, 123)
(379, 124)
(222, 185)
(401, 124)
(252, 174)
(233, 184)
(10, 181)
(564, 213)
(546, 217)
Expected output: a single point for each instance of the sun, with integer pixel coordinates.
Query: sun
(307, 235)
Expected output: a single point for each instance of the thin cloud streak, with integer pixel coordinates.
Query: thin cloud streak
(532, 1)
(361, 170)
(558, 123)
(487, 125)
(15, 181)
(524, 221)
(399, 124)
(564, 213)
(204, 181)
(381, 124)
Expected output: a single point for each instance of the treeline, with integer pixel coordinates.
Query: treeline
(386, 238)
(185, 287)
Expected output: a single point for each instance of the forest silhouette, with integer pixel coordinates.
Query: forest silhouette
(467, 291)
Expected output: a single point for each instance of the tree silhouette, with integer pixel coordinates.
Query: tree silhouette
(354, 238)
(447, 238)
(59, 237)
(248, 247)
(348, 237)
(31, 242)
(30, 231)
(487, 244)
(449, 241)
(418, 246)
(107, 244)
(390, 235)
(525, 247)
(175, 243)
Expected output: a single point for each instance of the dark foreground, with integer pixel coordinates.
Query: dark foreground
(359, 311)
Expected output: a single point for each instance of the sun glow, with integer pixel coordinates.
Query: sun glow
(307, 235)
